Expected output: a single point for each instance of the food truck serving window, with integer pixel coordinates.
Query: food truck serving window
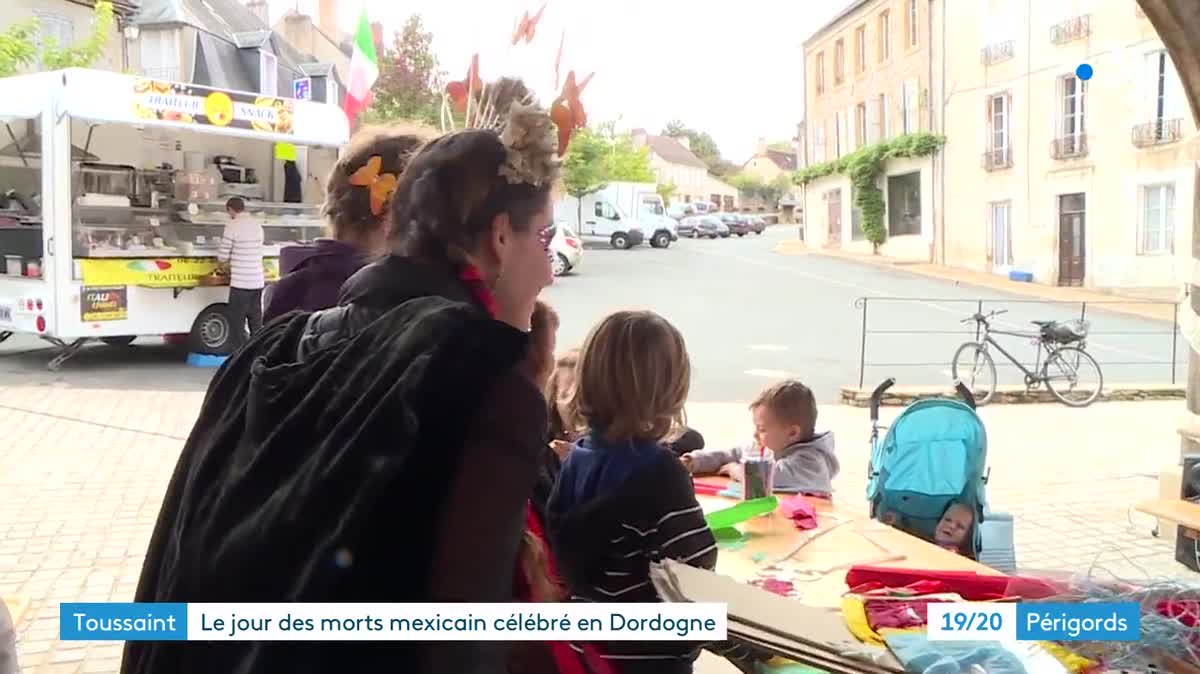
(21, 234)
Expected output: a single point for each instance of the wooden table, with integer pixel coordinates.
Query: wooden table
(857, 542)
(1177, 510)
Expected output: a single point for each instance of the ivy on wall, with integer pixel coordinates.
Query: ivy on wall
(863, 167)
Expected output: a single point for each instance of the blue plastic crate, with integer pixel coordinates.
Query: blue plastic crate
(1020, 276)
(205, 360)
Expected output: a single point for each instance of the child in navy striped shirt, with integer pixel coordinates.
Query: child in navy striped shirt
(622, 499)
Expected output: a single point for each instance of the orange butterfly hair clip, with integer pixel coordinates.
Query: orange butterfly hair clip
(380, 185)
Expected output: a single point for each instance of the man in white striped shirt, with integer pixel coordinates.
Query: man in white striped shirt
(242, 249)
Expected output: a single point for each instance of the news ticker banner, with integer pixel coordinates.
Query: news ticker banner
(391, 622)
(548, 622)
(1099, 621)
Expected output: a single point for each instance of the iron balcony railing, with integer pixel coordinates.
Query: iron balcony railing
(1158, 132)
(997, 53)
(1071, 29)
(997, 159)
(1069, 147)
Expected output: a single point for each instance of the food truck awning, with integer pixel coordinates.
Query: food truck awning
(104, 96)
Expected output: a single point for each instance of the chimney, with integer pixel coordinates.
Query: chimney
(686, 142)
(327, 18)
(259, 8)
(762, 146)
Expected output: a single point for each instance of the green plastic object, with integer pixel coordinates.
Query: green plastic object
(746, 510)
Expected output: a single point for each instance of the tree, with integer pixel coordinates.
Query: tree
(666, 191)
(410, 82)
(622, 161)
(583, 167)
(22, 45)
(702, 145)
(83, 54)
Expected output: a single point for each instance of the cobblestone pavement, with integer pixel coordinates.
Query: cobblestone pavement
(82, 473)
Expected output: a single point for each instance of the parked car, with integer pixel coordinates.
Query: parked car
(687, 227)
(703, 227)
(567, 249)
(757, 224)
(737, 224)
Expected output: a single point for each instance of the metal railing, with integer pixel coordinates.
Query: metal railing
(997, 53)
(1072, 29)
(1158, 132)
(1069, 147)
(994, 160)
(954, 333)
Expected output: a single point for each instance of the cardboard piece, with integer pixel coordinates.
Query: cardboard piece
(787, 627)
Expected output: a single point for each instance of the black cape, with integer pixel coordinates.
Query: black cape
(319, 480)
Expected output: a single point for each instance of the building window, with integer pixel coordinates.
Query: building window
(268, 74)
(860, 125)
(820, 74)
(1156, 235)
(998, 153)
(1071, 136)
(839, 62)
(1000, 241)
(819, 143)
(54, 29)
(860, 49)
(908, 98)
(160, 54)
(885, 36)
(1163, 119)
(911, 22)
(904, 204)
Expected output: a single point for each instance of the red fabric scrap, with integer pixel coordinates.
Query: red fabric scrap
(970, 585)
(898, 614)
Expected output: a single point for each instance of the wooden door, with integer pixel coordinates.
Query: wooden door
(1072, 239)
(834, 234)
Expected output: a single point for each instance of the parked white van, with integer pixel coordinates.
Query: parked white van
(597, 218)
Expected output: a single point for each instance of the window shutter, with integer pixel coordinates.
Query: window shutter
(1174, 108)
(1008, 125)
(986, 127)
(887, 130)
(1142, 220)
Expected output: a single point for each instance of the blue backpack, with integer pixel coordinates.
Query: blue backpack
(934, 454)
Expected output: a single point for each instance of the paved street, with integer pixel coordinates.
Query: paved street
(749, 315)
(85, 453)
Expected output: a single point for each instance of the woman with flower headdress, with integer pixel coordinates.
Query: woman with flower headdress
(357, 195)
(384, 450)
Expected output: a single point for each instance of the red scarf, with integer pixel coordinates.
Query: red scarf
(567, 659)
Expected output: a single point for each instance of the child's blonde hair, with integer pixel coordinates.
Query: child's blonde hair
(561, 425)
(633, 377)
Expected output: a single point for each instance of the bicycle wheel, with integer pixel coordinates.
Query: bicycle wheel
(1073, 376)
(973, 366)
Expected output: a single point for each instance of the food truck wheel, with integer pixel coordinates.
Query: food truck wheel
(212, 332)
(125, 340)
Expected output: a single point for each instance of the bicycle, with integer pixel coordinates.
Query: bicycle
(1066, 360)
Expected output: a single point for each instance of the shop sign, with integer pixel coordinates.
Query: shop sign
(104, 303)
(192, 104)
(158, 273)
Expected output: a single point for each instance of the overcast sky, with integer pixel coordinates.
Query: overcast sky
(732, 69)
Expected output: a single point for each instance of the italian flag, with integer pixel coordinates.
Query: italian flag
(364, 70)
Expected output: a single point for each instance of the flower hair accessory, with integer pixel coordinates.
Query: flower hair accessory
(535, 138)
(379, 185)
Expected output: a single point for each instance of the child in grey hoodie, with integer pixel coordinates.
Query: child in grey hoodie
(785, 419)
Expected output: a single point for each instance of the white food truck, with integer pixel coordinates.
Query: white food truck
(113, 201)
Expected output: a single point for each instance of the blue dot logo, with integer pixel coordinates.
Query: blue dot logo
(1084, 72)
